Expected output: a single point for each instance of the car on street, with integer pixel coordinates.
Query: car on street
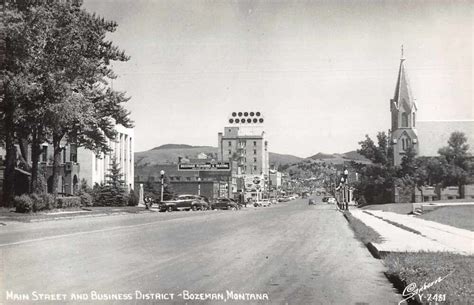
(331, 200)
(186, 203)
(311, 201)
(262, 203)
(225, 204)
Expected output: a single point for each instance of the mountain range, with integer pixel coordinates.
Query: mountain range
(169, 153)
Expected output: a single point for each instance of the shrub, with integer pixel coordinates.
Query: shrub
(38, 203)
(86, 199)
(23, 204)
(133, 198)
(49, 201)
(69, 202)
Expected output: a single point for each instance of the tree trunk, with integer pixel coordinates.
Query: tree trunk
(35, 155)
(9, 173)
(10, 158)
(56, 162)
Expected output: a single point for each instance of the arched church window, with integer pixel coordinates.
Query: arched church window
(404, 119)
(413, 115)
(403, 144)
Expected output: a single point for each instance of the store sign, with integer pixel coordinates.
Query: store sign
(253, 183)
(225, 166)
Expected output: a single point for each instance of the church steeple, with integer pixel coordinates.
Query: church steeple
(403, 108)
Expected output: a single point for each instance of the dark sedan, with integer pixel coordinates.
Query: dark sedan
(225, 204)
(185, 202)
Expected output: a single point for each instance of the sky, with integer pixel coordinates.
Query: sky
(321, 72)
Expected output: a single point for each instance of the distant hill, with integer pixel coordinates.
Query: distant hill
(339, 158)
(169, 153)
(321, 156)
(172, 146)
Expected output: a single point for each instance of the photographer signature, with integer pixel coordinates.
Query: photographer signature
(412, 290)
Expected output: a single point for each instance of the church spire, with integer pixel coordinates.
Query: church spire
(403, 93)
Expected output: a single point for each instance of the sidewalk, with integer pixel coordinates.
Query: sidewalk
(433, 236)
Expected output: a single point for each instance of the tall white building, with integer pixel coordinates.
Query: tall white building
(94, 168)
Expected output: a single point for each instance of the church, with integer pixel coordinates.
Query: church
(424, 137)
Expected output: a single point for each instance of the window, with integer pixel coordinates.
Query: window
(188, 178)
(413, 115)
(230, 152)
(230, 143)
(404, 119)
(64, 155)
(255, 168)
(44, 155)
(254, 160)
(254, 143)
(254, 151)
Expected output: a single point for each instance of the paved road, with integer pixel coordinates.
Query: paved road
(291, 253)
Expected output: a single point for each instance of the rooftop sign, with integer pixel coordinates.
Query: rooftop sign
(224, 166)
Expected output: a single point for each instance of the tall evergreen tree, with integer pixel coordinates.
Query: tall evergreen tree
(114, 191)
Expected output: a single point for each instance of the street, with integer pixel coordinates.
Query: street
(289, 253)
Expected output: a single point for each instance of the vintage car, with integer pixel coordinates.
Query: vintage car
(225, 204)
(184, 202)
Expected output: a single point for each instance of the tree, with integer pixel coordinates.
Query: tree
(57, 76)
(378, 154)
(456, 152)
(408, 164)
(113, 191)
(457, 167)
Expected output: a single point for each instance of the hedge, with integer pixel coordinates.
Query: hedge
(69, 202)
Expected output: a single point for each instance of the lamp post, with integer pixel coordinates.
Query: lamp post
(346, 174)
(199, 186)
(162, 173)
(343, 193)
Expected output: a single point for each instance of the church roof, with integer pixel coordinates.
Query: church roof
(432, 135)
(403, 95)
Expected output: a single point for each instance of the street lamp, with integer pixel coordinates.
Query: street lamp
(343, 192)
(162, 173)
(346, 174)
(199, 186)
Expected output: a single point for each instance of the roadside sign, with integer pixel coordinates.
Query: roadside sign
(221, 166)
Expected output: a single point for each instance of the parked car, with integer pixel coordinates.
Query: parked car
(332, 200)
(184, 202)
(262, 203)
(225, 204)
(311, 201)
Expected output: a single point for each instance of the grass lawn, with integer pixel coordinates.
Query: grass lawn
(364, 233)
(9, 214)
(400, 208)
(425, 268)
(456, 216)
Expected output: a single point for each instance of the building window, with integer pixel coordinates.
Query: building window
(230, 143)
(254, 160)
(64, 156)
(404, 119)
(254, 151)
(44, 155)
(254, 143)
(97, 163)
(255, 168)
(188, 178)
(230, 152)
(413, 115)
